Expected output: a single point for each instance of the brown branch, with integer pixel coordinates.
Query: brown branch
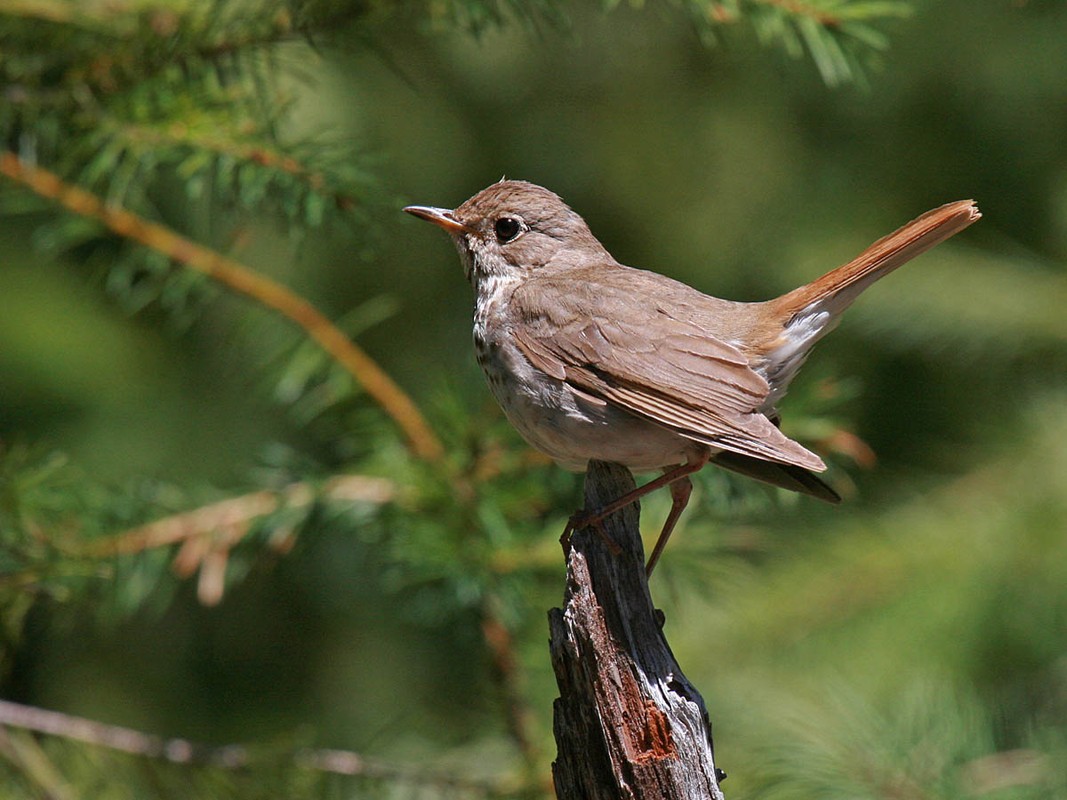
(235, 513)
(234, 756)
(392, 399)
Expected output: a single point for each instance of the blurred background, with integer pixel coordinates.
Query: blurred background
(911, 642)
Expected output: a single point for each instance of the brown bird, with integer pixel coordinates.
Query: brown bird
(590, 359)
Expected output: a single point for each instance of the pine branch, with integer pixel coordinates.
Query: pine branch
(135, 92)
(377, 383)
(208, 534)
(477, 16)
(227, 757)
(837, 34)
(796, 8)
(236, 513)
(205, 139)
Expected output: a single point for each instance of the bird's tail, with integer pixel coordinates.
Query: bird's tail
(810, 312)
(836, 290)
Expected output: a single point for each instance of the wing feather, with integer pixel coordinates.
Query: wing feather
(683, 377)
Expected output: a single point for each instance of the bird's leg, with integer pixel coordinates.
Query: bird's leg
(680, 491)
(584, 519)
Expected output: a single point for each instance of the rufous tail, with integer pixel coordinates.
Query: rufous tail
(836, 290)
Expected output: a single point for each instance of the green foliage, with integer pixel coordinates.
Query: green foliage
(477, 16)
(935, 742)
(840, 36)
(142, 103)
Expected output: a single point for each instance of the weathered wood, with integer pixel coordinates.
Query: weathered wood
(628, 724)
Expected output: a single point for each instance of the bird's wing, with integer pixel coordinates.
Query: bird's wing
(634, 342)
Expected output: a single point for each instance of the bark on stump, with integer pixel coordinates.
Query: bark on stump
(628, 724)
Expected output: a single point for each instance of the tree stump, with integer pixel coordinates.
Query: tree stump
(628, 724)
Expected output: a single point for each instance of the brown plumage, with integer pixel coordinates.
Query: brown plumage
(591, 359)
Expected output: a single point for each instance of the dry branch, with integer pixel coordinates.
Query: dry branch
(628, 724)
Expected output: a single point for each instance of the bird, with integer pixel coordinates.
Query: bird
(594, 360)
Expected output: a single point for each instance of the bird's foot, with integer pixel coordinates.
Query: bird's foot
(580, 520)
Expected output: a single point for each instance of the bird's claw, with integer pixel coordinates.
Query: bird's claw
(580, 520)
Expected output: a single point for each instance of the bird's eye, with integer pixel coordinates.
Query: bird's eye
(507, 228)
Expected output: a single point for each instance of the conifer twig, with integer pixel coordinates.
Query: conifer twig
(234, 756)
(392, 399)
(178, 134)
(798, 8)
(238, 512)
(208, 534)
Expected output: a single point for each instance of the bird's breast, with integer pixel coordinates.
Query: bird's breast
(568, 425)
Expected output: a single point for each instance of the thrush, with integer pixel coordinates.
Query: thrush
(590, 359)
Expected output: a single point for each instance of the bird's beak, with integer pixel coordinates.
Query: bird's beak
(441, 217)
